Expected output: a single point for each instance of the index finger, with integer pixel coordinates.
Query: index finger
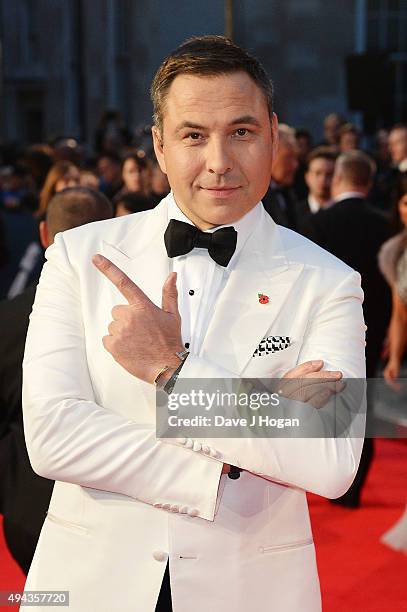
(310, 369)
(124, 284)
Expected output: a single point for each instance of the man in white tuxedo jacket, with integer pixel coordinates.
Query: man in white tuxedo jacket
(126, 504)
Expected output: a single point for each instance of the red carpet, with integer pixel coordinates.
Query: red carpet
(358, 573)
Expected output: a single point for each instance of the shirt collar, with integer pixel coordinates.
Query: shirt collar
(315, 206)
(403, 165)
(346, 195)
(244, 226)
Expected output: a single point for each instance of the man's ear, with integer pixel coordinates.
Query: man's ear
(43, 229)
(158, 147)
(274, 135)
(336, 180)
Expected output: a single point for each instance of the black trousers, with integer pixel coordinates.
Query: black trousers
(164, 602)
(20, 543)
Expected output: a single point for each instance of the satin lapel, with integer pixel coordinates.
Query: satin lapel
(240, 321)
(141, 254)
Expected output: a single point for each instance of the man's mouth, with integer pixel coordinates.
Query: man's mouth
(221, 192)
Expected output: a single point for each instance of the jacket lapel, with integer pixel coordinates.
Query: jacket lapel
(141, 254)
(240, 320)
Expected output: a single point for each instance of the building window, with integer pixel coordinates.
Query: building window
(386, 31)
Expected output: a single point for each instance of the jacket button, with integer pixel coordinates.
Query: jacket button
(193, 512)
(189, 443)
(197, 446)
(160, 555)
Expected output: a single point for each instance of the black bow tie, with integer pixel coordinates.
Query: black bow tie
(180, 238)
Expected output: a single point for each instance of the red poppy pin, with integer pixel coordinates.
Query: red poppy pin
(263, 299)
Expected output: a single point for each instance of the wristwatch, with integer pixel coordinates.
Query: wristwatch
(170, 384)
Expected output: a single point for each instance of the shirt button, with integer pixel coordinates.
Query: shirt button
(160, 555)
(187, 345)
(191, 292)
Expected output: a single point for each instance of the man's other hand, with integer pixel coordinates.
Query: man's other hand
(143, 338)
(308, 383)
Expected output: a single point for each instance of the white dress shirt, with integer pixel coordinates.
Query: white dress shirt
(200, 279)
(315, 206)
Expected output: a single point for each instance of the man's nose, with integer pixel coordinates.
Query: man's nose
(218, 160)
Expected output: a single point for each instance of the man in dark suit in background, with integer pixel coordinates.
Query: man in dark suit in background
(353, 231)
(318, 177)
(24, 496)
(280, 200)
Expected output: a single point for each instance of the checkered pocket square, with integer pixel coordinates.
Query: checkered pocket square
(272, 344)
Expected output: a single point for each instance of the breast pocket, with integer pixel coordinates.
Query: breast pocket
(274, 357)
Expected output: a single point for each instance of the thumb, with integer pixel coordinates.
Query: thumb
(170, 294)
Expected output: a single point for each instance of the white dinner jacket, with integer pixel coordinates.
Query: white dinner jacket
(125, 502)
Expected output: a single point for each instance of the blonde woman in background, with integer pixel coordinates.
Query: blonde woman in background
(393, 264)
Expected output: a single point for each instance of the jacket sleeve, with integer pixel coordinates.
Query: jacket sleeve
(73, 439)
(323, 465)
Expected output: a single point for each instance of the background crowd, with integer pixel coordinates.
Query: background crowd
(344, 195)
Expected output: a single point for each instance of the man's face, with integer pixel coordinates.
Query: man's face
(348, 142)
(319, 178)
(285, 164)
(109, 170)
(398, 145)
(131, 175)
(331, 129)
(402, 205)
(216, 147)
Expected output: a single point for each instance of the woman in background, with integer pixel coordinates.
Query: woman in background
(62, 174)
(393, 264)
(135, 175)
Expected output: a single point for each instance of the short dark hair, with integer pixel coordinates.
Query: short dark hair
(206, 56)
(133, 202)
(112, 156)
(303, 133)
(398, 126)
(322, 152)
(356, 167)
(76, 206)
(348, 128)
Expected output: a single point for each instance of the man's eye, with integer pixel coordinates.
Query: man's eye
(194, 136)
(242, 131)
